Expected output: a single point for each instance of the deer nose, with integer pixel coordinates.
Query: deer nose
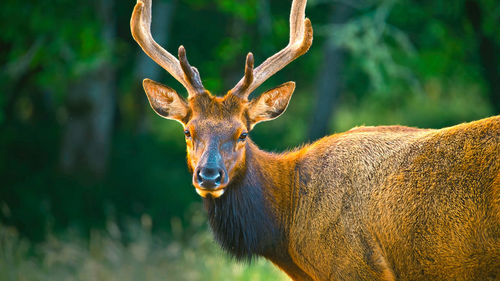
(209, 177)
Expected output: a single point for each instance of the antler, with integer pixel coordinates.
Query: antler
(181, 70)
(301, 36)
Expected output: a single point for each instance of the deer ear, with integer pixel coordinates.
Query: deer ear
(270, 104)
(165, 101)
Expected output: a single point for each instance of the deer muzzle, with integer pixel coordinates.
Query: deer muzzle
(210, 176)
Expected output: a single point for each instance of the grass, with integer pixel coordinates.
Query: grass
(188, 253)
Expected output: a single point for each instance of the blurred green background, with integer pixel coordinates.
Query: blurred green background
(94, 185)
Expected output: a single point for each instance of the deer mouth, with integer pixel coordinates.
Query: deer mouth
(214, 193)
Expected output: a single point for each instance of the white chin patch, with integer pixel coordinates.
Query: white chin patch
(214, 194)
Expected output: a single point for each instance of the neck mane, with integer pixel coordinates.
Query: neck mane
(249, 219)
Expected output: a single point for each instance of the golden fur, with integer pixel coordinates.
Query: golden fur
(373, 203)
(395, 203)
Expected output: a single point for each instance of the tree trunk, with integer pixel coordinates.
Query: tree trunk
(91, 107)
(330, 81)
(488, 54)
(265, 26)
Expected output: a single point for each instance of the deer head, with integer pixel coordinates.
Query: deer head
(217, 128)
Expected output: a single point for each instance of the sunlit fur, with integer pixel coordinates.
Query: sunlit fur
(397, 203)
(373, 203)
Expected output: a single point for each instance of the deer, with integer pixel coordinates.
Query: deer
(372, 203)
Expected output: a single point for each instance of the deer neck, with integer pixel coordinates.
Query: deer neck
(251, 218)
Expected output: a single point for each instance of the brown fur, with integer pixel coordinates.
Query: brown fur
(400, 203)
(373, 203)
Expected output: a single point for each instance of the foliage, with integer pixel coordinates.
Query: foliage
(134, 254)
(414, 63)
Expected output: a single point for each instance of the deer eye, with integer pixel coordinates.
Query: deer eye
(187, 133)
(243, 136)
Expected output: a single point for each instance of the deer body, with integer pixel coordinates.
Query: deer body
(374, 203)
(380, 203)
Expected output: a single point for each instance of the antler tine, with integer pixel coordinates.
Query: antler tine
(247, 80)
(191, 74)
(297, 18)
(301, 36)
(140, 25)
